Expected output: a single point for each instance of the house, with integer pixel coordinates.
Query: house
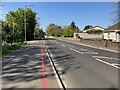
(94, 28)
(113, 33)
(98, 28)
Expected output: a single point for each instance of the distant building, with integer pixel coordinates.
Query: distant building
(94, 28)
(113, 33)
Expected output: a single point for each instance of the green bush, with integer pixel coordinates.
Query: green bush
(94, 31)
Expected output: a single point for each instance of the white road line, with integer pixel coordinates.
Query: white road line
(62, 45)
(106, 57)
(107, 63)
(116, 64)
(76, 50)
(90, 52)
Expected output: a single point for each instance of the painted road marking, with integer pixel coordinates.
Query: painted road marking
(62, 45)
(76, 50)
(84, 52)
(113, 64)
(57, 42)
(90, 52)
(106, 57)
(43, 66)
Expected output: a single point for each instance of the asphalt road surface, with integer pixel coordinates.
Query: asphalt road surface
(84, 67)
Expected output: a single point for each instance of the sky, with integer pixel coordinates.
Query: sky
(63, 13)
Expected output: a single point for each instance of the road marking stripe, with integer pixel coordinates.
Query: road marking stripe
(106, 57)
(75, 50)
(107, 63)
(62, 45)
(43, 68)
(115, 64)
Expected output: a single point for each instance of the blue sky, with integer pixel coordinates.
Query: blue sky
(63, 13)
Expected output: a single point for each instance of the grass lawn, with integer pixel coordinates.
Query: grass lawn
(6, 49)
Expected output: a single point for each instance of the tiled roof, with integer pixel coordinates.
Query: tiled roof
(114, 27)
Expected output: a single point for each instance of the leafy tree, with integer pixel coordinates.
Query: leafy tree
(94, 31)
(15, 20)
(54, 30)
(88, 27)
(39, 33)
(70, 30)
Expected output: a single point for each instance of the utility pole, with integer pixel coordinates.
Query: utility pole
(13, 30)
(25, 22)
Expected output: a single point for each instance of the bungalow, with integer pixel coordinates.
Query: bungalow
(113, 33)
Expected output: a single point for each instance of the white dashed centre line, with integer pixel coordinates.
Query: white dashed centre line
(76, 50)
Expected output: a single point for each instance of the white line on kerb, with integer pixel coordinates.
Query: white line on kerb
(75, 50)
(59, 83)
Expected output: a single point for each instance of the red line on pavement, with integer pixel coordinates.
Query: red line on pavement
(43, 68)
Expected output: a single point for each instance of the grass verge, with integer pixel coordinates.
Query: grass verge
(6, 49)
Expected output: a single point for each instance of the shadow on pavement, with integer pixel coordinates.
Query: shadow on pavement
(24, 65)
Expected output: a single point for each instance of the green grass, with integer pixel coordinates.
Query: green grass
(6, 49)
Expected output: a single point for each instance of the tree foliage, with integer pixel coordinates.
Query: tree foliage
(70, 30)
(54, 30)
(13, 26)
(94, 31)
(39, 33)
(88, 27)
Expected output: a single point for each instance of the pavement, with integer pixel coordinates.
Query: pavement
(28, 68)
(85, 67)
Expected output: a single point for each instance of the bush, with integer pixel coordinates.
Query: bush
(94, 31)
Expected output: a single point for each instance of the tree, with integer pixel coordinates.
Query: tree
(88, 27)
(70, 30)
(94, 31)
(54, 30)
(15, 19)
(39, 33)
(116, 12)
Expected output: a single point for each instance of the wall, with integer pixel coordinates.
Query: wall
(89, 36)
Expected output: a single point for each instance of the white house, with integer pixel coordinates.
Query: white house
(113, 33)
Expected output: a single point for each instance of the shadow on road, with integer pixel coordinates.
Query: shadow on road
(62, 59)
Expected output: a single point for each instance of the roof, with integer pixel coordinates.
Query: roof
(114, 27)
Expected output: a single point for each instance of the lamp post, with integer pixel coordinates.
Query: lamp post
(25, 21)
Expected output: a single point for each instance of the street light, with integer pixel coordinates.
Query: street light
(25, 20)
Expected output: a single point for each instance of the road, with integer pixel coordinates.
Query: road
(84, 67)
(78, 66)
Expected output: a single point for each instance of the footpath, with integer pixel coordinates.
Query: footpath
(28, 68)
